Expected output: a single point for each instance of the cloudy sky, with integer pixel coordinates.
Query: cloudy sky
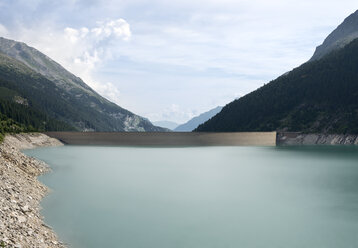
(173, 59)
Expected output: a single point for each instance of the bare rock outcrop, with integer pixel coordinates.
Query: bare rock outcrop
(316, 139)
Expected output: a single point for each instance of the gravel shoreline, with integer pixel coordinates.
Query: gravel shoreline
(21, 224)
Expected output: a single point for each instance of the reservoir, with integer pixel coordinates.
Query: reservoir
(196, 197)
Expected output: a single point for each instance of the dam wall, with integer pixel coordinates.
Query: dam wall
(166, 138)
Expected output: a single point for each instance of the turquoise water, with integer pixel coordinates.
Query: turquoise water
(196, 197)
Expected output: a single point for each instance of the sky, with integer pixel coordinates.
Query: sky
(172, 60)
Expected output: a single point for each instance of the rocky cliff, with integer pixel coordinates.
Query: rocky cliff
(316, 139)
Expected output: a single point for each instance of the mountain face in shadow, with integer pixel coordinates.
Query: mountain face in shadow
(54, 92)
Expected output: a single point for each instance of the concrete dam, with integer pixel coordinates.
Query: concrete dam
(166, 138)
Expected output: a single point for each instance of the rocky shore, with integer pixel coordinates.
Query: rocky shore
(316, 139)
(21, 224)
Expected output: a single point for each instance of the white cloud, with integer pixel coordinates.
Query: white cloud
(72, 34)
(3, 31)
(108, 30)
(108, 89)
(174, 112)
(91, 48)
(92, 45)
(118, 28)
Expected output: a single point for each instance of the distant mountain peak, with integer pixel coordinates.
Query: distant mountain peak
(196, 121)
(339, 38)
(166, 124)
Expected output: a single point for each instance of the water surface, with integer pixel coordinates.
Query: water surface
(196, 197)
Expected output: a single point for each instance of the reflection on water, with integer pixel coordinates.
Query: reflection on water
(248, 197)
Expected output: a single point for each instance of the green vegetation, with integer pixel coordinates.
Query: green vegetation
(319, 96)
(7, 94)
(28, 118)
(15, 118)
(8, 125)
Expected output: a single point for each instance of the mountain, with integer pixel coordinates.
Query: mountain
(51, 90)
(320, 96)
(166, 124)
(340, 37)
(196, 121)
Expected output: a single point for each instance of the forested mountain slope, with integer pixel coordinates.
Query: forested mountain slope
(319, 96)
